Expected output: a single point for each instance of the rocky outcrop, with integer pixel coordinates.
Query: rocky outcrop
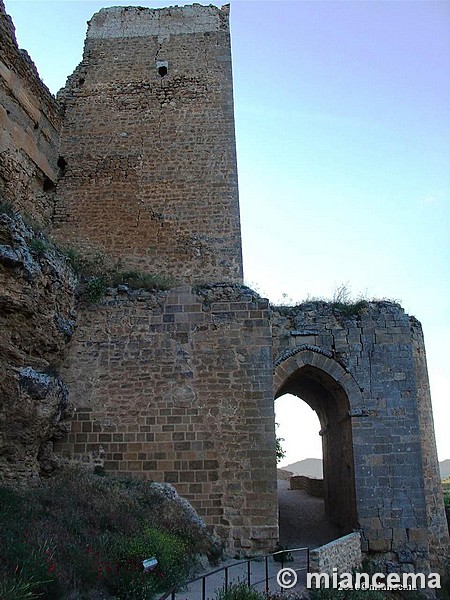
(37, 319)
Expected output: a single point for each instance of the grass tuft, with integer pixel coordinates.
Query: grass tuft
(239, 591)
(96, 272)
(39, 246)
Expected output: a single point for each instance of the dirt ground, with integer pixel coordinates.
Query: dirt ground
(302, 519)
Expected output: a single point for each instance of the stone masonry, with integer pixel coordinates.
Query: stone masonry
(364, 374)
(343, 554)
(148, 144)
(313, 487)
(30, 123)
(179, 385)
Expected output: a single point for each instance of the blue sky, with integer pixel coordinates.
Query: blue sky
(343, 138)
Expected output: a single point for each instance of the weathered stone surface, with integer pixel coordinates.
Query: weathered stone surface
(161, 165)
(365, 375)
(313, 487)
(179, 390)
(30, 122)
(343, 554)
(36, 293)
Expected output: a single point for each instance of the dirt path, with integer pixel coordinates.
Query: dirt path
(302, 524)
(302, 519)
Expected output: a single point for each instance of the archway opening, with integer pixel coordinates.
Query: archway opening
(330, 402)
(298, 426)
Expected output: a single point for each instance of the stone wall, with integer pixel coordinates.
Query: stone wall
(436, 518)
(313, 487)
(148, 143)
(177, 387)
(343, 554)
(362, 369)
(30, 122)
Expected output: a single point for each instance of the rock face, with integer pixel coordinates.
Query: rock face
(36, 321)
(36, 284)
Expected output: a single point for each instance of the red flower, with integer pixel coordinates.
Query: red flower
(52, 568)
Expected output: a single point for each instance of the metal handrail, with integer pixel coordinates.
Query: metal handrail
(173, 591)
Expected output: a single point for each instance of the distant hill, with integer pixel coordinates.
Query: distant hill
(312, 467)
(444, 467)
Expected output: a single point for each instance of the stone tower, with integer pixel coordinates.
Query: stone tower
(174, 386)
(148, 149)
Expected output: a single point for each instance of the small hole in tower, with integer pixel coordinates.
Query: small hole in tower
(62, 164)
(162, 71)
(48, 185)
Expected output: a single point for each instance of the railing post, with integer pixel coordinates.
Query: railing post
(173, 591)
(267, 577)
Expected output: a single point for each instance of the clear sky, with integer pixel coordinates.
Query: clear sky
(343, 138)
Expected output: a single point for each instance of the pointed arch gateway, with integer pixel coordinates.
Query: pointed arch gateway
(313, 375)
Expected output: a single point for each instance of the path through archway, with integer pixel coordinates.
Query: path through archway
(324, 394)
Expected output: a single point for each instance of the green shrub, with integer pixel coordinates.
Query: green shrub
(28, 568)
(96, 272)
(175, 563)
(39, 246)
(447, 500)
(96, 288)
(352, 309)
(86, 263)
(279, 450)
(239, 591)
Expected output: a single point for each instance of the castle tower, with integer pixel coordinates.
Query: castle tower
(147, 157)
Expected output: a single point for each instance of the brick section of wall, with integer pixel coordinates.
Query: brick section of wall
(177, 387)
(343, 554)
(313, 487)
(151, 176)
(30, 122)
(377, 358)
